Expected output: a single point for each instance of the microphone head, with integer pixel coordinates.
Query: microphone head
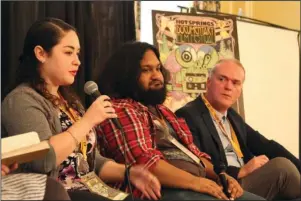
(220, 168)
(90, 87)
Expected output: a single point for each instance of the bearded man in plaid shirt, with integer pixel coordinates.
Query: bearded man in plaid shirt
(135, 80)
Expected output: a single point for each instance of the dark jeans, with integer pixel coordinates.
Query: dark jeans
(86, 195)
(182, 194)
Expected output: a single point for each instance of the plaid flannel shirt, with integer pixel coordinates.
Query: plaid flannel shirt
(139, 129)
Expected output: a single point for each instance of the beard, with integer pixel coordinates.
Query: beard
(151, 96)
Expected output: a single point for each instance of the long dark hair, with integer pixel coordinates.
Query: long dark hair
(46, 33)
(120, 77)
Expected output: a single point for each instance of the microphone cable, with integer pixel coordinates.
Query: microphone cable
(127, 166)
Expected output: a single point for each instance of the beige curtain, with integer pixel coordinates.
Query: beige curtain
(137, 19)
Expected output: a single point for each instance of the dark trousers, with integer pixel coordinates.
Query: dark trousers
(278, 179)
(55, 190)
(182, 194)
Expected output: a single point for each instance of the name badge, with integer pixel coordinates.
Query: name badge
(96, 185)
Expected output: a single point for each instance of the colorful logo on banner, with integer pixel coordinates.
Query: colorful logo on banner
(190, 45)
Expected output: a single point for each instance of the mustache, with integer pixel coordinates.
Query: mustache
(156, 82)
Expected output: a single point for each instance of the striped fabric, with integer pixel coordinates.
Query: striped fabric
(27, 186)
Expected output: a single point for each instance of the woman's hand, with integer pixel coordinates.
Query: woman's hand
(146, 182)
(6, 170)
(100, 110)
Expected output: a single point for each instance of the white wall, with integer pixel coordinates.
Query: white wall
(146, 15)
(271, 90)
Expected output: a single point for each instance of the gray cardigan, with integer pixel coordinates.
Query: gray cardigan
(24, 110)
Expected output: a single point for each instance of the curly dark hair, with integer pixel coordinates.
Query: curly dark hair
(46, 33)
(120, 76)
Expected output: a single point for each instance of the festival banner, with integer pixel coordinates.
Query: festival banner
(190, 45)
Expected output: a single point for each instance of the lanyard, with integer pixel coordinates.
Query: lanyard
(233, 140)
(74, 116)
(170, 138)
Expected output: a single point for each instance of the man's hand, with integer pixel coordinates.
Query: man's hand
(146, 182)
(6, 170)
(252, 165)
(234, 187)
(208, 186)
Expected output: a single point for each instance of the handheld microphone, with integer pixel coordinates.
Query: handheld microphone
(219, 170)
(91, 89)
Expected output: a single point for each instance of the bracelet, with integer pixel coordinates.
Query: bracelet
(75, 140)
(127, 169)
(126, 180)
